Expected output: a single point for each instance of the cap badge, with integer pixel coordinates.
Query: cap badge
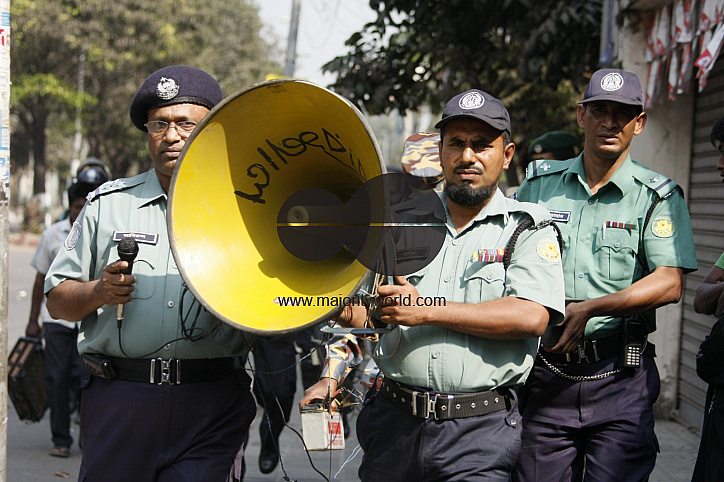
(472, 100)
(166, 88)
(611, 82)
(537, 148)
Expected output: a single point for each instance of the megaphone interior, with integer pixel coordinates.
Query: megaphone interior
(252, 152)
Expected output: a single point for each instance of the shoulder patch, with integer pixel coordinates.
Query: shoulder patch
(662, 227)
(73, 236)
(548, 250)
(543, 167)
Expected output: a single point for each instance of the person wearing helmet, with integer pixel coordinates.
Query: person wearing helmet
(63, 365)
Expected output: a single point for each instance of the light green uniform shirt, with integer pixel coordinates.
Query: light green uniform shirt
(605, 250)
(152, 320)
(450, 361)
(720, 262)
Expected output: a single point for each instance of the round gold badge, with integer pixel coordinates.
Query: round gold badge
(663, 227)
(548, 250)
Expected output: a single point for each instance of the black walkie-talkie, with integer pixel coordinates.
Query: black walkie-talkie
(633, 336)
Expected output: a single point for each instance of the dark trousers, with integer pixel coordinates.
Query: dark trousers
(168, 433)
(274, 385)
(401, 447)
(709, 461)
(606, 426)
(63, 370)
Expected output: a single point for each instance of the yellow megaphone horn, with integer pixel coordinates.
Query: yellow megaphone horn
(252, 152)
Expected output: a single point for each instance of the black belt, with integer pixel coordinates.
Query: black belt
(589, 351)
(444, 406)
(172, 371)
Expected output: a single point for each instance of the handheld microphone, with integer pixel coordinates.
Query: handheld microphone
(127, 251)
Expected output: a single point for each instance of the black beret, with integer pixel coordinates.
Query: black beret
(553, 141)
(176, 84)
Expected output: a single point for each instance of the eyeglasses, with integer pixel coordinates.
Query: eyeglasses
(159, 127)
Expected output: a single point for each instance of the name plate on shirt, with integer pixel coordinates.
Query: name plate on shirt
(411, 253)
(560, 216)
(145, 238)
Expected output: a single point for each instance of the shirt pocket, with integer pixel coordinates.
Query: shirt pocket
(483, 281)
(144, 269)
(417, 276)
(616, 254)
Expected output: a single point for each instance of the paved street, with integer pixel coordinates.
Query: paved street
(28, 444)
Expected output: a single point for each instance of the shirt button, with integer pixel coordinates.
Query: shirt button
(591, 201)
(447, 279)
(580, 275)
(435, 355)
(583, 238)
(455, 242)
(170, 304)
(616, 245)
(167, 346)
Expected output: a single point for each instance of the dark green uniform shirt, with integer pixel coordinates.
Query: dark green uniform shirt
(605, 250)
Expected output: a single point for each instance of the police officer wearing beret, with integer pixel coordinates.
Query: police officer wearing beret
(628, 241)
(166, 400)
(553, 145)
(447, 408)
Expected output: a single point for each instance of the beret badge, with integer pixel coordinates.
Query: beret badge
(167, 88)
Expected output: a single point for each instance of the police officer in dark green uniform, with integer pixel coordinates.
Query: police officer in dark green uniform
(628, 242)
(553, 145)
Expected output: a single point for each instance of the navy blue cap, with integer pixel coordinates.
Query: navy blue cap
(176, 84)
(614, 85)
(476, 104)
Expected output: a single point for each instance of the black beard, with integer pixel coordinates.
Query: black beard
(466, 196)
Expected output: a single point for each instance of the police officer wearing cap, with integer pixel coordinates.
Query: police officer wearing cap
(628, 241)
(64, 367)
(447, 408)
(166, 400)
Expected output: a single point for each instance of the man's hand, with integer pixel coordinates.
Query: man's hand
(719, 311)
(574, 326)
(33, 329)
(115, 288)
(391, 299)
(320, 391)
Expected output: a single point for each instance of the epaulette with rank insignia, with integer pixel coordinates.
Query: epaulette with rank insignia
(542, 167)
(117, 185)
(662, 185)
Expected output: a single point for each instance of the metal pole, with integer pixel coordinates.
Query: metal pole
(292, 42)
(4, 225)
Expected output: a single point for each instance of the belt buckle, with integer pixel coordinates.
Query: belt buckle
(165, 369)
(582, 352)
(429, 403)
